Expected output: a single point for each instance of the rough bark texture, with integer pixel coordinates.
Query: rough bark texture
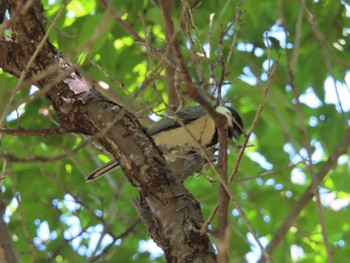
(7, 252)
(172, 215)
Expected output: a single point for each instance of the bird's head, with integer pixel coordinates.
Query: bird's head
(234, 121)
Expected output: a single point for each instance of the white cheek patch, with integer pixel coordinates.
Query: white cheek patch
(226, 112)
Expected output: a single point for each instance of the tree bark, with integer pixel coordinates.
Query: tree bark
(7, 252)
(172, 215)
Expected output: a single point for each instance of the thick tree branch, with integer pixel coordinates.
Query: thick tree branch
(218, 118)
(81, 107)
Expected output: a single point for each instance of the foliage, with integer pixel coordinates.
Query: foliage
(297, 52)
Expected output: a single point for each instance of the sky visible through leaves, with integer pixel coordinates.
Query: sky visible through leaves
(336, 94)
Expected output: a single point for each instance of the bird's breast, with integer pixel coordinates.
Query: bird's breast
(184, 139)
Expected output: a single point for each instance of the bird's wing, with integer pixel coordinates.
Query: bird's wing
(190, 113)
(186, 115)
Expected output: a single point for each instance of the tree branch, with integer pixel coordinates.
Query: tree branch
(34, 132)
(81, 107)
(7, 252)
(308, 194)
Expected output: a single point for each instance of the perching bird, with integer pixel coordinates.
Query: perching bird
(190, 130)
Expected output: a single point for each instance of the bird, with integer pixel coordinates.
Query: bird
(189, 130)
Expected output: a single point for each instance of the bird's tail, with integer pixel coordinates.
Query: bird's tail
(102, 170)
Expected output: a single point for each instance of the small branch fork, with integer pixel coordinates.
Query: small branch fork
(84, 109)
(224, 193)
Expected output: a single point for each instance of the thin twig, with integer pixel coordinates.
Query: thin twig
(325, 50)
(16, 195)
(197, 97)
(232, 177)
(34, 132)
(343, 147)
(29, 64)
(131, 31)
(3, 170)
(235, 29)
(255, 120)
(304, 133)
(14, 158)
(278, 171)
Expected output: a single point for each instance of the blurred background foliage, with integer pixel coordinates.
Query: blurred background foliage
(53, 214)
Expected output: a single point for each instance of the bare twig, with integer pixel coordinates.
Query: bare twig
(197, 97)
(3, 170)
(191, 89)
(29, 64)
(309, 193)
(297, 40)
(34, 132)
(278, 171)
(232, 177)
(302, 127)
(14, 158)
(235, 28)
(122, 235)
(103, 220)
(325, 52)
(132, 33)
(256, 118)
(22, 218)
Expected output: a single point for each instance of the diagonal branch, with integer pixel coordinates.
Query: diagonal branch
(176, 214)
(309, 193)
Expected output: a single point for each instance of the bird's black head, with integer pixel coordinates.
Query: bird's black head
(234, 121)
